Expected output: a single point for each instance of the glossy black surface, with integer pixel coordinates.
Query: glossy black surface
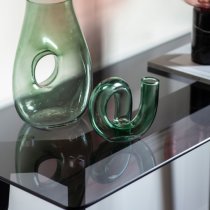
(73, 167)
(200, 36)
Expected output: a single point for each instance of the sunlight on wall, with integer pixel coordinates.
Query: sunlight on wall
(114, 30)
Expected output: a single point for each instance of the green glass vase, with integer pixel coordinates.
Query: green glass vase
(123, 128)
(51, 30)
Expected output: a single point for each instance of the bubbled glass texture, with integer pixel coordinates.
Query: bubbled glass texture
(51, 28)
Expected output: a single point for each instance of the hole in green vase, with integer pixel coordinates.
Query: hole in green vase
(44, 68)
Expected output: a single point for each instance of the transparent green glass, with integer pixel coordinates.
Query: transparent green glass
(46, 159)
(51, 28)
(123, 127)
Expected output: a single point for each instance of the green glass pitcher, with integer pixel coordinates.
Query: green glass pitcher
(51, 29)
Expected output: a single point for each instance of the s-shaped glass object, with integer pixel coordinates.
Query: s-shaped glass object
(123, 128)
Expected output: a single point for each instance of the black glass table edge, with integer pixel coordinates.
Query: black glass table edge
(154, 169)
(2, 179)
(82, 207)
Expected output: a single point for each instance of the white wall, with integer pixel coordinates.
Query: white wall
(114, 29)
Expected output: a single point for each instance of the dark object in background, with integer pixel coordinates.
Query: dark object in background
(4, 195)
(201, 36)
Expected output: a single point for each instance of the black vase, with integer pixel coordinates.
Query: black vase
(201, 36)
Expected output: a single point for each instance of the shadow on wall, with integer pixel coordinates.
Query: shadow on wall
(93, 26)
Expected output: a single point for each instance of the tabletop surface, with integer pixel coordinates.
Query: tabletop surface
(80, 166)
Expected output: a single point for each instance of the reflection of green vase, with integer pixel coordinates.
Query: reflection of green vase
(59, 155)
(50, 29)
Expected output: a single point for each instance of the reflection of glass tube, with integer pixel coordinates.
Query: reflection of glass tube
(113, 167)
(60, 155)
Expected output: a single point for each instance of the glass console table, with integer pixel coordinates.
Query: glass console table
(74, 168)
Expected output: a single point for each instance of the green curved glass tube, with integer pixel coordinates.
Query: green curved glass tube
(123, 128)
(51, 28)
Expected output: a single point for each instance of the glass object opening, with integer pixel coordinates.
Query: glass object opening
(45, 69)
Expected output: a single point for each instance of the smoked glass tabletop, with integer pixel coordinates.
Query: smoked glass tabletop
(73, 167)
